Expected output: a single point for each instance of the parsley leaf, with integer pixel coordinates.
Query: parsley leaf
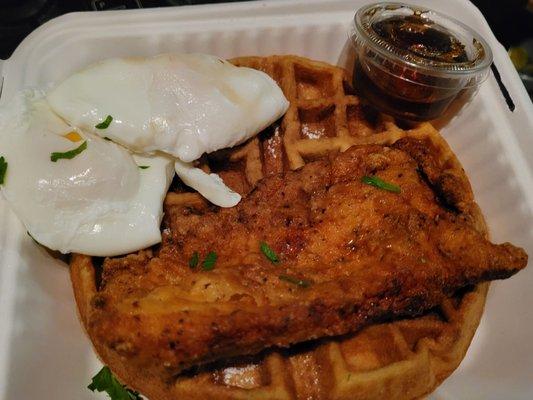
(193, 261)
(68, 154)
(3, 169)
(104, 381)
(269, 253)
(144, 166)
(105, 123)
(209, 261)
(381, 184)
(296, 281)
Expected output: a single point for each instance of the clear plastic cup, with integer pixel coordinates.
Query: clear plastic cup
(406, 67)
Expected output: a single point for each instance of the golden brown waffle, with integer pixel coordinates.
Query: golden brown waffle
(403, 359)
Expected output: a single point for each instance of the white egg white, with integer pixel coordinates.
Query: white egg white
(211, 186)
(97, 203)
(181, 104)
(138, 225)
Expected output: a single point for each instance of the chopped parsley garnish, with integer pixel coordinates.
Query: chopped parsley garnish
(269, 253)
(3, 169)
(193, 261)
(104, 381)
(144, 166)
(296, 281)
(209, 262)
(380, 183)
(105, 123)
(68, 154)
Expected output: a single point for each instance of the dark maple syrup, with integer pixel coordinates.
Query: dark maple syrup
(403, 91)
(422, 37)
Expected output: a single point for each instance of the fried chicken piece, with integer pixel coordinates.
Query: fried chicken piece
(350, 254)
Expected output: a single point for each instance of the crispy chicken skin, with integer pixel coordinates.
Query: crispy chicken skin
(361, 255)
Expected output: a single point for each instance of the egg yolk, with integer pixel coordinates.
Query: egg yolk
(73, 136)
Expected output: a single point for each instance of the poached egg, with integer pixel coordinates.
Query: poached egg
(97, 203)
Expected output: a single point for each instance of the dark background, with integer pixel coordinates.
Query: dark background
(511, 20)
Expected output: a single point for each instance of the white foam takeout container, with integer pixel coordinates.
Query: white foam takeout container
(44, 353)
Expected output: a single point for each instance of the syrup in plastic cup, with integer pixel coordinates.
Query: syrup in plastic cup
(412, 62)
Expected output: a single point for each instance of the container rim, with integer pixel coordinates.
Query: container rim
(361, 29)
